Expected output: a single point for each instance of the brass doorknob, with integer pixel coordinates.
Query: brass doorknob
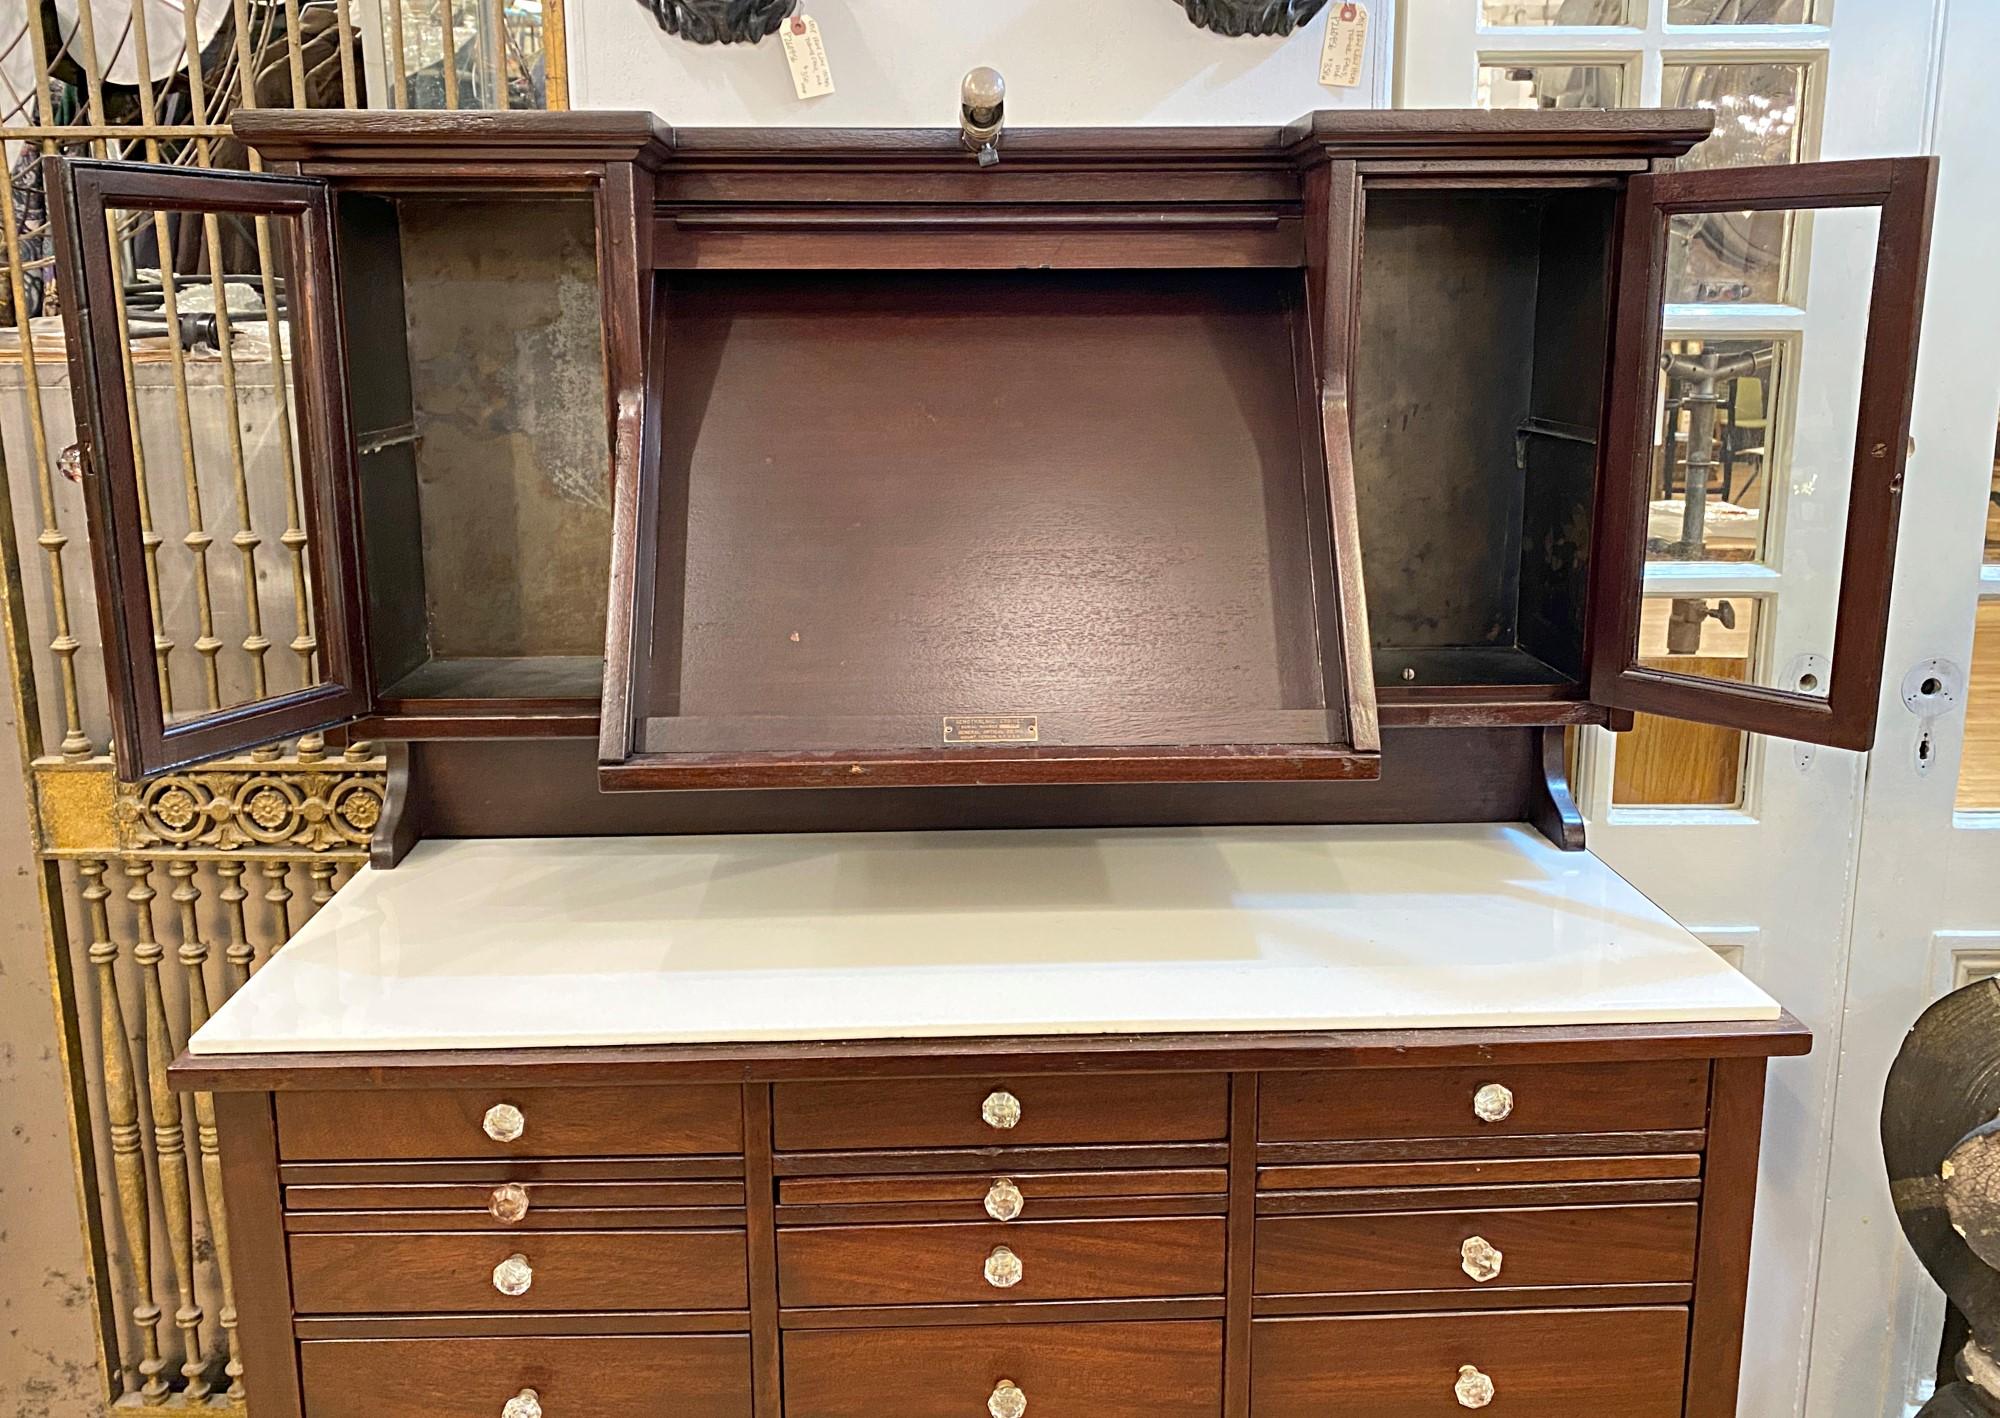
(1480, 1259)
(1003, 1269)
(1474, 1389)
(1007, 1400)
(1004, 1200)
(525, 1404)
(513, 1275)
(1493, 1103)
(1001, 1109)
(504, 1122)
(509, 1202)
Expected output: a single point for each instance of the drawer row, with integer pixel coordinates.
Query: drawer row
(1034, 1111)
(992, 1262)
(1550, 1363)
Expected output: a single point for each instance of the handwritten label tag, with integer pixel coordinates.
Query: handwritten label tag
(1346, 47)
(805, 52)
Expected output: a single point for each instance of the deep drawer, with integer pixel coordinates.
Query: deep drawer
(1022, 1112)
(391, 1125)
(1427, 1250)
(948, 1264)
(707, 1375)
(1497, 1101)
(1541, 1364)
(385, 1272)
(1062, 1370)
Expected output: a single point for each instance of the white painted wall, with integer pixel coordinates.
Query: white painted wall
(897, 63)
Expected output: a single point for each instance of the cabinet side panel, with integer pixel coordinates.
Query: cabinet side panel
(248, 1137)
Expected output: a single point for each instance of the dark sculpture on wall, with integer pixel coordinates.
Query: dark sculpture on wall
(1251, 16)
(721, 21)
(1941, 1140)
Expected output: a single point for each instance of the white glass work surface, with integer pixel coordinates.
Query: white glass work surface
(650, 940)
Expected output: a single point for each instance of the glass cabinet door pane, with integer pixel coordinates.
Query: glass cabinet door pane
(1512, 14)
(1768, 461)
(214, 436)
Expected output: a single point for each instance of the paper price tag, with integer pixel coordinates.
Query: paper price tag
(805, 52)
(1346, 47)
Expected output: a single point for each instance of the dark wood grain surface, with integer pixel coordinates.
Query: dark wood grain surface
(1543, 1363)
(1141, 1108)
(415, 1272)
(637, 1376)
(1064, 1370)
(573, 1122)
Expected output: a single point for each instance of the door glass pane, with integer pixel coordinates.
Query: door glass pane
(1742, 12)
(1753, 459)
(205, 303)
(1711, 462)
(1979, 772)
(1515, 13)
(1735, 257)
(1993, 513)
(1676, 762)
(1582, 86)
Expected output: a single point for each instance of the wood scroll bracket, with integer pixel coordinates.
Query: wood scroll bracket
(1553, 809)
(402, 824)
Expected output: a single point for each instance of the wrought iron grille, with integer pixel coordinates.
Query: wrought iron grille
(160, 899)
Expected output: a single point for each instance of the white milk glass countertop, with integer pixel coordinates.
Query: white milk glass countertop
(651, 940)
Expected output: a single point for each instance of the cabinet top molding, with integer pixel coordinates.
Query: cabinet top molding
(304, 135)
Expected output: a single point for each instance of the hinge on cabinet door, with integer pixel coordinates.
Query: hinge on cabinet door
(1931, 690)
(1548, 428)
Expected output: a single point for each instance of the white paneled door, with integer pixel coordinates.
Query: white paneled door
(1835, 879)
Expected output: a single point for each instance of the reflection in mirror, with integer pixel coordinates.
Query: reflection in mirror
(1712, 459)
(1551, 86)
(1736, 257)
(1742, 12)
(204, 304)
(1979, 771)
(1513, 14)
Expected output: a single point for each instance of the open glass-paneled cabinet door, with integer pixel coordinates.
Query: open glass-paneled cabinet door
(205, 345)
(1803, 661)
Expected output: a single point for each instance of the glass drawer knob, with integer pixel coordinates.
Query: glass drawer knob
(513, 1275)
(1494, 1103)
(1473, 1388)
(509, 1202)
(1003, 1269)
(1007, 1400)
(504, 1122)
(1001, 1109)
(1004, 1200)
(1480, 1259)
(525, 1404)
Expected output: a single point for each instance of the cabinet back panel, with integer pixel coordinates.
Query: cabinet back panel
(506, 354)
(984, 492)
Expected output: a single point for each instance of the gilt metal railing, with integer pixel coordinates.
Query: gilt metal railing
(161, 898)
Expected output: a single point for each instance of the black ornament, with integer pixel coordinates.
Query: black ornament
(1234, 17)
(721, 21)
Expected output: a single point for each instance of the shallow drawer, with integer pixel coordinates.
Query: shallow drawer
(707, 1375)
(390, 1125)
(1054, 1260)
(385, 1272)
(1034, 1111)
(1432, 1250)
(1062, 1370)
(1502, 1100)
(1003, 1196)
(515, 1206)
(1541, 1364)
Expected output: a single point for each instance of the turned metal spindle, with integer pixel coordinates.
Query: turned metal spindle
(237, 952)
(278, 873)
(194, 958)
(121, 1112)
(169, 1135)
(322, 872)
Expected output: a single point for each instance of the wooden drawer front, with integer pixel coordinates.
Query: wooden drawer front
(950, 1112)
(477, 1196)
(976, 1196)
(1423, 1250)
(384, 1125)
(1439, 1102)
(1543, 1364)
(384, 1272)
(640, 1376)
(1059, 1260)
(1063, 1370)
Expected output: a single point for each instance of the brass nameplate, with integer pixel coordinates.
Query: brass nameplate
(992, 728)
